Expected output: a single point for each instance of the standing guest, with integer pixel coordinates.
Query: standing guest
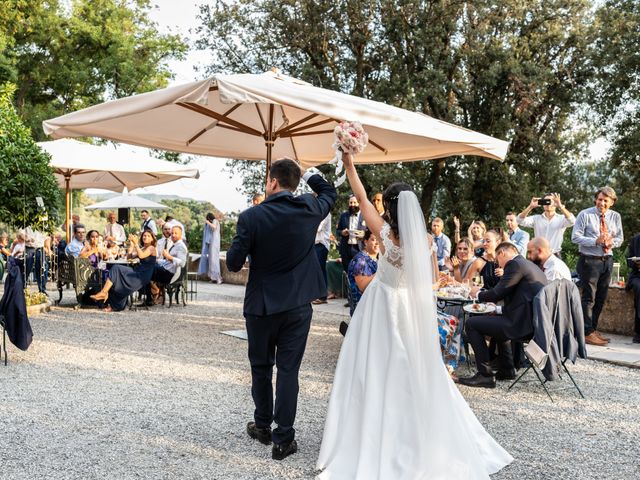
(165, 241)
(475, 233)
(442, 242)
(4, 246)
(76, 245)
(323, 239)
(173, 221)
(486, 266)
(257, 199)
(548, 225)
(147, 222)
(362, 268)
(460, 263)
(517, 236)
(113, 231)
(350, 230)
(38, 250)
(539, 252)
(160, 223)
(597, 231)
(18, 246)
(521, 282)
(633, 262)
(210, 255)
(284, 278)
(123, 280)
(377, 202)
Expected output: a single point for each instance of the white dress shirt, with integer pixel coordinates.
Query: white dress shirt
(554, 268)
(116, 231)
(552, 229)
(324, 232)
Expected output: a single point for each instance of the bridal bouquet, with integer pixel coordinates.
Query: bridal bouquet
(350, 137)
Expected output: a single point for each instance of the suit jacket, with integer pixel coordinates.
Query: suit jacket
(634, 251)
(13, 308)
(343, 222)
(558, 325)
(521, 282)
(279, 236)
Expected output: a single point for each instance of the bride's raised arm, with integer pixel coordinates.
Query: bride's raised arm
(369, 212)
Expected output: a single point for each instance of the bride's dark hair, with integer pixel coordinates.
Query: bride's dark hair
(390, 202)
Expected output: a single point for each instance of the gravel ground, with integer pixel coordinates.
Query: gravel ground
(162, 394)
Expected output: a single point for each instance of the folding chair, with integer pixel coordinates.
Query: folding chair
(553, 290)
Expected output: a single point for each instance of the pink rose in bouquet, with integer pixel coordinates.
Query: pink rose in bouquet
(350, 137)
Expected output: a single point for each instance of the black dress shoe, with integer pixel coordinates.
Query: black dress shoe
(478, 380)
(280, 452)
(263, 435)
(636, 338)
(506, 374)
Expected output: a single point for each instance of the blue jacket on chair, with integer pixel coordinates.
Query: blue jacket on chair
(13, 308)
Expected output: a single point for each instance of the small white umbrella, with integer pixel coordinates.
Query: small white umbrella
(126, 200)
(255, 117)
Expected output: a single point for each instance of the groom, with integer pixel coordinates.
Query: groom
(278, 236)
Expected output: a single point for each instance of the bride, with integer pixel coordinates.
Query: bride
(394, 412)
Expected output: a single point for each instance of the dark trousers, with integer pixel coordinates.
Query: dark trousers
(347, 255)
(161, 275)
(634, 284)
(278, 339)
(35, 257)
(493, 326)
(322, 253)
(595, 275)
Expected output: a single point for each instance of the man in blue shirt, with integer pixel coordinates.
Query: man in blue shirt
(598, 230)
(442, 242)
(77, 243)
(517, 236)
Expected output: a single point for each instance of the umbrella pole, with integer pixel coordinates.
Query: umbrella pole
(269, 141)
(67, 180)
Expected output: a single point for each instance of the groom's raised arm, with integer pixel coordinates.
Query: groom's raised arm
(237, 253)
(326, 192)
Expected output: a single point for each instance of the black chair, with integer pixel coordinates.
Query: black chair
(562, 343)
(177, 288)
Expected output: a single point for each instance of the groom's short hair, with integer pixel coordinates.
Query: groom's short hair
(287, 172)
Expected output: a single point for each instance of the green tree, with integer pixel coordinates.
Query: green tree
(24, 172)
(514, 70)
(64, 58)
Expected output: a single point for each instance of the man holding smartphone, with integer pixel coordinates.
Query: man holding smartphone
(549, 224)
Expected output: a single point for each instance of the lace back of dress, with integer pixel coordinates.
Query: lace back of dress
(392, 252)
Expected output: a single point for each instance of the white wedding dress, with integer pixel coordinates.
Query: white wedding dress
(394, 412)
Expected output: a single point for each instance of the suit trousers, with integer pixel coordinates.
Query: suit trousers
(595, 275)
(37, 263)
(493, 326)
(278, 339)
(634, 284)
(322, 253)
(347, 255)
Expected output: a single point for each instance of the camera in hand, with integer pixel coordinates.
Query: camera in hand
(544, 201)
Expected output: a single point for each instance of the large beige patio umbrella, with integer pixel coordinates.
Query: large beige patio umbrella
(79, 165)
(258, 117)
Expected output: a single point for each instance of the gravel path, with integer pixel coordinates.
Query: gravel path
(162, 394)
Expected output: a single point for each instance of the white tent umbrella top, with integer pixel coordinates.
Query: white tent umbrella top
(104, 166)
(126, 200)
(234, 116)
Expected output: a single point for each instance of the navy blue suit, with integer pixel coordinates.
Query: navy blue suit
(284, 277)
(347, 251)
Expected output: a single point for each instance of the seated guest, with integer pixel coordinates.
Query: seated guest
(113, 231)
(486, 266)
(171, 258)
(76, 245)
(539, 252)
(442, 242)
(460, 263)
(362, 268)
(521, 282)
(93, 251)
(147, 222)
(164, 242)
(516, 235)
(4, 246)
(124, 280)
(634, 281)
(173, 221)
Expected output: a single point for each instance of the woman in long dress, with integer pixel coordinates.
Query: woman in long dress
(210, 258)
(394, 412)
(124, 280)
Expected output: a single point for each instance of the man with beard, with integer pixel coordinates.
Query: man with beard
(539, 252)
(350, 230)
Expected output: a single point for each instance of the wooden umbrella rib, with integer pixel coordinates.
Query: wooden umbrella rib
(311, 125)
(205, 130)
(264, 125)
(213, 89)
(118, 179)
(293, 145)
(218, 116)
(382, 149)
(295, 124)
(304, 134)
(229, 127)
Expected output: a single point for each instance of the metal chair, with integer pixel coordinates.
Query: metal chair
(178, 288)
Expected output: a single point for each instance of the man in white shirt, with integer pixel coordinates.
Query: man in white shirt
(548, 225)
(321, 246)
(114, 231)
(172, 258)
(38, 248)
(164, 242)
(148, 223)
(517, 236)
(539, 252)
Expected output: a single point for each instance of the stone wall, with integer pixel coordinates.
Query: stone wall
(618, 313)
